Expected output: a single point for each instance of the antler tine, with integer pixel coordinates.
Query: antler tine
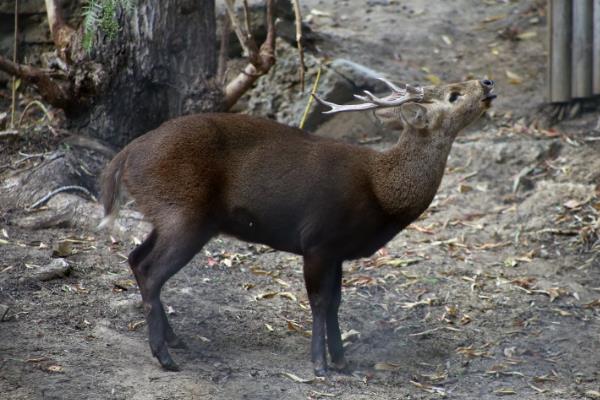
(396, 98)
(363, 98)
(414, 89)
(391, 85)
(335, 108)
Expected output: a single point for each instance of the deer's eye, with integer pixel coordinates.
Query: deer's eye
(454, 96)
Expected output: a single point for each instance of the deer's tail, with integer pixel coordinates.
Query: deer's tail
(110, 191)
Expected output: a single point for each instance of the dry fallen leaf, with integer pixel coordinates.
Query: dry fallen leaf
(386, 366)
(527, 35)
(124, 284)
(513, 78)
(525, 283)
(281, 282)
(350, 335)
(464, 188)
(64, 248)
(132, 326)
(268, 295)
(258, 271)
(592, 394)
(396, 262)
(573, 204)
(429, 388)
(592, 304)
(434, 79)
(471, 352)
(505, 392)
(55, 368)
(562, 313)
(296, 378)
(424, 302)
(452, 311)
(493, 18)
(288, 295)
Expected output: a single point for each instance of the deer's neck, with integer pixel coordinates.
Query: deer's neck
(407, 176)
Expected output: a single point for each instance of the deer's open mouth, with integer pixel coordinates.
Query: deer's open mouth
(487, 99)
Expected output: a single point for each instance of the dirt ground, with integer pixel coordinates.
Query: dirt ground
(494, 292)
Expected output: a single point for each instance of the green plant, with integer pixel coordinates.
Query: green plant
(102, 15)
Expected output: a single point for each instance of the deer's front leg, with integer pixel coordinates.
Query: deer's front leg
(320, 277)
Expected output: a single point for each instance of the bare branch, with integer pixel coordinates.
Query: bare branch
(13, 101)
(223, 50)
(245, 38)
(247, 20)
(260, 60)
(53, 90)
(60, 31)
(298, 16)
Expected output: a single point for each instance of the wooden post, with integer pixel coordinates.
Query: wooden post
(596, 56)
(560, 50)
(581, 81)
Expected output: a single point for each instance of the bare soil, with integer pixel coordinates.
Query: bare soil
(494, 292)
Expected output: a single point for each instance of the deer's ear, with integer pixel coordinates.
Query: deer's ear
(390, 118)
(415, 115)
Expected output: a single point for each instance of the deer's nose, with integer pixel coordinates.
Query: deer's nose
(487, 84)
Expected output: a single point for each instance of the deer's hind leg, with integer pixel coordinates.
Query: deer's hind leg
(166, 250)
(135, 259)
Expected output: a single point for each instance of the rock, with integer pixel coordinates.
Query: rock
(362, 77)
(130, 307)
(3, 312)
(57, 268)
(278, 95)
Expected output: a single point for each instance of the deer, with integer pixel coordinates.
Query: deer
(260, 181)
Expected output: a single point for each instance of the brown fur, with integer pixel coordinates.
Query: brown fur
(260, 181)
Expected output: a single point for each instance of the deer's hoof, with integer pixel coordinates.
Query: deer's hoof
(177, 343)
(170, 366)
(340, 366)
(165, 360)
(320, 371)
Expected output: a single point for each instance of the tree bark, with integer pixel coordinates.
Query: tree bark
(162, 64)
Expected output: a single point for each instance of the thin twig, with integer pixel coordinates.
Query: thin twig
(260, 60)
(310, 98)
(14, 79)
(28, 157)
(59, 190)
(223, 50)
(299, 40)
(245, 39)
(247, 20)
(34, 103)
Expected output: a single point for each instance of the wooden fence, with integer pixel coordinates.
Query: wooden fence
(574, 56)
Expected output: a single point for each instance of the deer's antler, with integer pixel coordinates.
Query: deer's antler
(399, 95)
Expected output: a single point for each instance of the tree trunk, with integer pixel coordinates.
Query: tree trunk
(161, 65)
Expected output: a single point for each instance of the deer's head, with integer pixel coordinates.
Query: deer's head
(442, 110)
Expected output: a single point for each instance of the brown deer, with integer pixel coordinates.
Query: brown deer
(260, 181)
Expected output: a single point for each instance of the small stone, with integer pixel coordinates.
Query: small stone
(3, 313)
(57, 268)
